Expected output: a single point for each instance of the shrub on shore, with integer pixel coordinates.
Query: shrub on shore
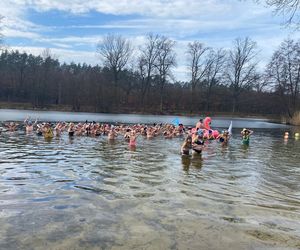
(295, 120)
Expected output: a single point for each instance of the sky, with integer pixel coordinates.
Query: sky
(71, 29)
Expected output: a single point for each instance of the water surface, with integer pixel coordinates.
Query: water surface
(86, 193)
(55, 116)
(89, 193)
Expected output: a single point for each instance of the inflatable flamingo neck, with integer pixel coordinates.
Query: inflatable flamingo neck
(206, 122)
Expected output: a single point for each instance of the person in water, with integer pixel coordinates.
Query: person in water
(29, 125)
(132, 138)
(199, 124)
(246, 136)
(12, 126)
(47, 131)
(112, 134)
(210, 135)
(186, 146)
(71, 129)
(198, 142)
(224, 137)
(127, 134)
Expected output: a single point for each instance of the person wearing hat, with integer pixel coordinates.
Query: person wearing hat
(48, 133)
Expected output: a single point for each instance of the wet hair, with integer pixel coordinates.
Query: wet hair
(188, 138)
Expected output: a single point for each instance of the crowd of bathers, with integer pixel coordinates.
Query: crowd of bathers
(195, 137)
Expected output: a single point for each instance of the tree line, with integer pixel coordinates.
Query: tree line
(142, 79)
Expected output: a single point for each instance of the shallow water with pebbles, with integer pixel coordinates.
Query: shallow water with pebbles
(87, 193)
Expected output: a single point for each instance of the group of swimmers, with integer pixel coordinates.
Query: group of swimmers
(195, 138)
(94, 129)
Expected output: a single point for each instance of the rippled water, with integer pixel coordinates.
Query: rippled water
(87, 193)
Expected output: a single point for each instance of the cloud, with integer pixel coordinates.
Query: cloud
(74, 40)
(8, 32)
(214, 22)
(158, 8)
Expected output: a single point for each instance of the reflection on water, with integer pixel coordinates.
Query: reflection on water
(88, 193)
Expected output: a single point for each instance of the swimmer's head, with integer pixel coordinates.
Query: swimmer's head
(188, 139)
(200, 132)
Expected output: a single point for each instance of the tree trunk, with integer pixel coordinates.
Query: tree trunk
(192, 99)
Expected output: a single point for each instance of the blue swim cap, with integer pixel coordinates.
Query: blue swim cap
(200, 132)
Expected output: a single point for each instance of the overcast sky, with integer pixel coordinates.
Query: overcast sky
(72, 28)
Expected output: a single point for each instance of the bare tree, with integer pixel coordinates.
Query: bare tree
(115, 51)
(164, 62)
(261, 83)
(284, 73)
(47, 53)
(146, 64)
(240, 72)
(196, 66)
(288, 8)
(214, 65)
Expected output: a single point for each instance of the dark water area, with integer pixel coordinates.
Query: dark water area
(88, 193)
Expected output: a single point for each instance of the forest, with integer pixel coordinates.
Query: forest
(142, 80)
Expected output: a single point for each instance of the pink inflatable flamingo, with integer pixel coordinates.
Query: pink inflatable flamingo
(206, 123)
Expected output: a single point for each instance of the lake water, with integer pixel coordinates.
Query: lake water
(54, 116)
(87, 193)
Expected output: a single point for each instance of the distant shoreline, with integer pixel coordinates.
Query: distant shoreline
(201, 114)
